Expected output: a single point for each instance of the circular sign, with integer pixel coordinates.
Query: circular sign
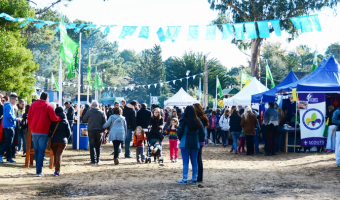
(313, 119)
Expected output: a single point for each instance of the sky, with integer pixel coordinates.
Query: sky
(162, 13)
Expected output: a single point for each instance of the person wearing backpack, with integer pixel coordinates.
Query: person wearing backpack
(190, 133)
(224, 124)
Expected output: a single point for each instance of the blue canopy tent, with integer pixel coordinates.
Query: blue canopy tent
(291, 86)
(327, 80)
(269, 96)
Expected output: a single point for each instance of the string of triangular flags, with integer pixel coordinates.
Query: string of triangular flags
(126, 88)
(230, 31)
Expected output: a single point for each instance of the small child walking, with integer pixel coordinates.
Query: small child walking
(242, 143)
(173, 139)
(138, 141)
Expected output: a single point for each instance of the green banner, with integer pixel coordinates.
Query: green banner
(270, 76)
(55, 83)
(98, 82)
(245, 77)
(69, 51)
(219, 88)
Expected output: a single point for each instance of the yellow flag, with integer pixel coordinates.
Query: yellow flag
(246, 83)
(294, 94)
(220, 103)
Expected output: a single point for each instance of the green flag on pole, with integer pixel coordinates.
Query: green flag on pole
(98, 82)
(245, 77)
(219, 88)
(69, 51)
(269, 75)
(315, 62)
(55, 83)
(89, 78)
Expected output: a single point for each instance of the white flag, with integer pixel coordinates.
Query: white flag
(131, 88)
(125, 88)
(108, 88)
(180, 79)
(148, 86)
(155, 85)
(194, 76)
(174, 81)
(74, 85)
(161, 84)
(85, 86)
(68, 84)
(115, 88)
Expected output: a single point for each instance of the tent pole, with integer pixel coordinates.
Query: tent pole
(295, 119)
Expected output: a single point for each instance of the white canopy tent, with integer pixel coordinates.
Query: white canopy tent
(243, 98)
(181, 98)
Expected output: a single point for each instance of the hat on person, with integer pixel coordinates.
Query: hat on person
(13, 95)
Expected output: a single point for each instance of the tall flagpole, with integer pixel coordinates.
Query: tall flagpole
(266, 73)
(216, 90)
(96, 92)
(51, 81)
(60, 101)
(78, 105)
(88, 87)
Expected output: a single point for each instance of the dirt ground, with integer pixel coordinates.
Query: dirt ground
(226, 176)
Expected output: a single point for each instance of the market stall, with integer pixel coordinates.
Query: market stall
(181, 98)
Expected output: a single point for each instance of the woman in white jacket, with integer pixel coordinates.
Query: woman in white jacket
(224, 124)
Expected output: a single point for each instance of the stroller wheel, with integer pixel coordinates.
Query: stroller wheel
(161, 160)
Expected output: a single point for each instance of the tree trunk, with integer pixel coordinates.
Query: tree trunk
(255, 57)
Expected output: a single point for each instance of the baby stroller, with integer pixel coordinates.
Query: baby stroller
(154, 149)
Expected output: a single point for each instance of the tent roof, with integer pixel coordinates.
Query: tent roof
(228, 91)
(244, 96)
(181, 98)
(269, 95)
(327, 79)
(289, 87)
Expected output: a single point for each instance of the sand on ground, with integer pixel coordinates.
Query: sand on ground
(226, 176)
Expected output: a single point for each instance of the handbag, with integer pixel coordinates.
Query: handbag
(49, 143)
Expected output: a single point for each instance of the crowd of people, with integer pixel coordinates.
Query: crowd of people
(189, 129)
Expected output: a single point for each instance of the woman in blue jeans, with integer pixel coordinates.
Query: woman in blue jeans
(190, 133)
(235, 128)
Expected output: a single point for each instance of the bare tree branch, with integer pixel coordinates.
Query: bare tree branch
(47, 8)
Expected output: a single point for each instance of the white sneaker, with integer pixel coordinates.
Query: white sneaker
(172, 160)
(176, 160)
(210, 142)
(40, 175)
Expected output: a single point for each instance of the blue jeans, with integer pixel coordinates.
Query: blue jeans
(235, 136)
(7, 145)
(128, 140)
(40, 143)
(22, 141)
(192, 153)
(225, 137)
(256, 140)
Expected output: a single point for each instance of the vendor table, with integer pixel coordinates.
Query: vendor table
(287, 134)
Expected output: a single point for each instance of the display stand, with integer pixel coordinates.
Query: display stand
(30, 152)
(294, 145)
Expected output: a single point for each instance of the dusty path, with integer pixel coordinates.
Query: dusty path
(226, 176)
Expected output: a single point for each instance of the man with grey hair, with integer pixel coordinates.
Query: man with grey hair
(95, 119)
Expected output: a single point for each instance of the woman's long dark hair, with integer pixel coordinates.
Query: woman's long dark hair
(201, 114)
(190, 117)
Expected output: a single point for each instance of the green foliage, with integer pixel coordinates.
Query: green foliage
(333, 50)
(15, 60)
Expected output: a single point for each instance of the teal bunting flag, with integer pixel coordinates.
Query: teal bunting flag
(228, 32)
(316, 22)
(306, 25)
(251, 30)
(107, 29)
(276, 26)
(127, 31)
(160, 34)
(193, 33)
(172, 33)
(263, 29)
(239, 33)
(144, 32)
(210, 32)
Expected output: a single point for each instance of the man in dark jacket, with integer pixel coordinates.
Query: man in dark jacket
(130, 116)
(143, 116)
(70, 118)
(95, 119)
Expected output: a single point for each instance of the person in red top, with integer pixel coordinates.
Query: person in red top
(39, 120)
(138, 141)
(212, 126)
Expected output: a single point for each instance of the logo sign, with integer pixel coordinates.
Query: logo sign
(313, 119)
